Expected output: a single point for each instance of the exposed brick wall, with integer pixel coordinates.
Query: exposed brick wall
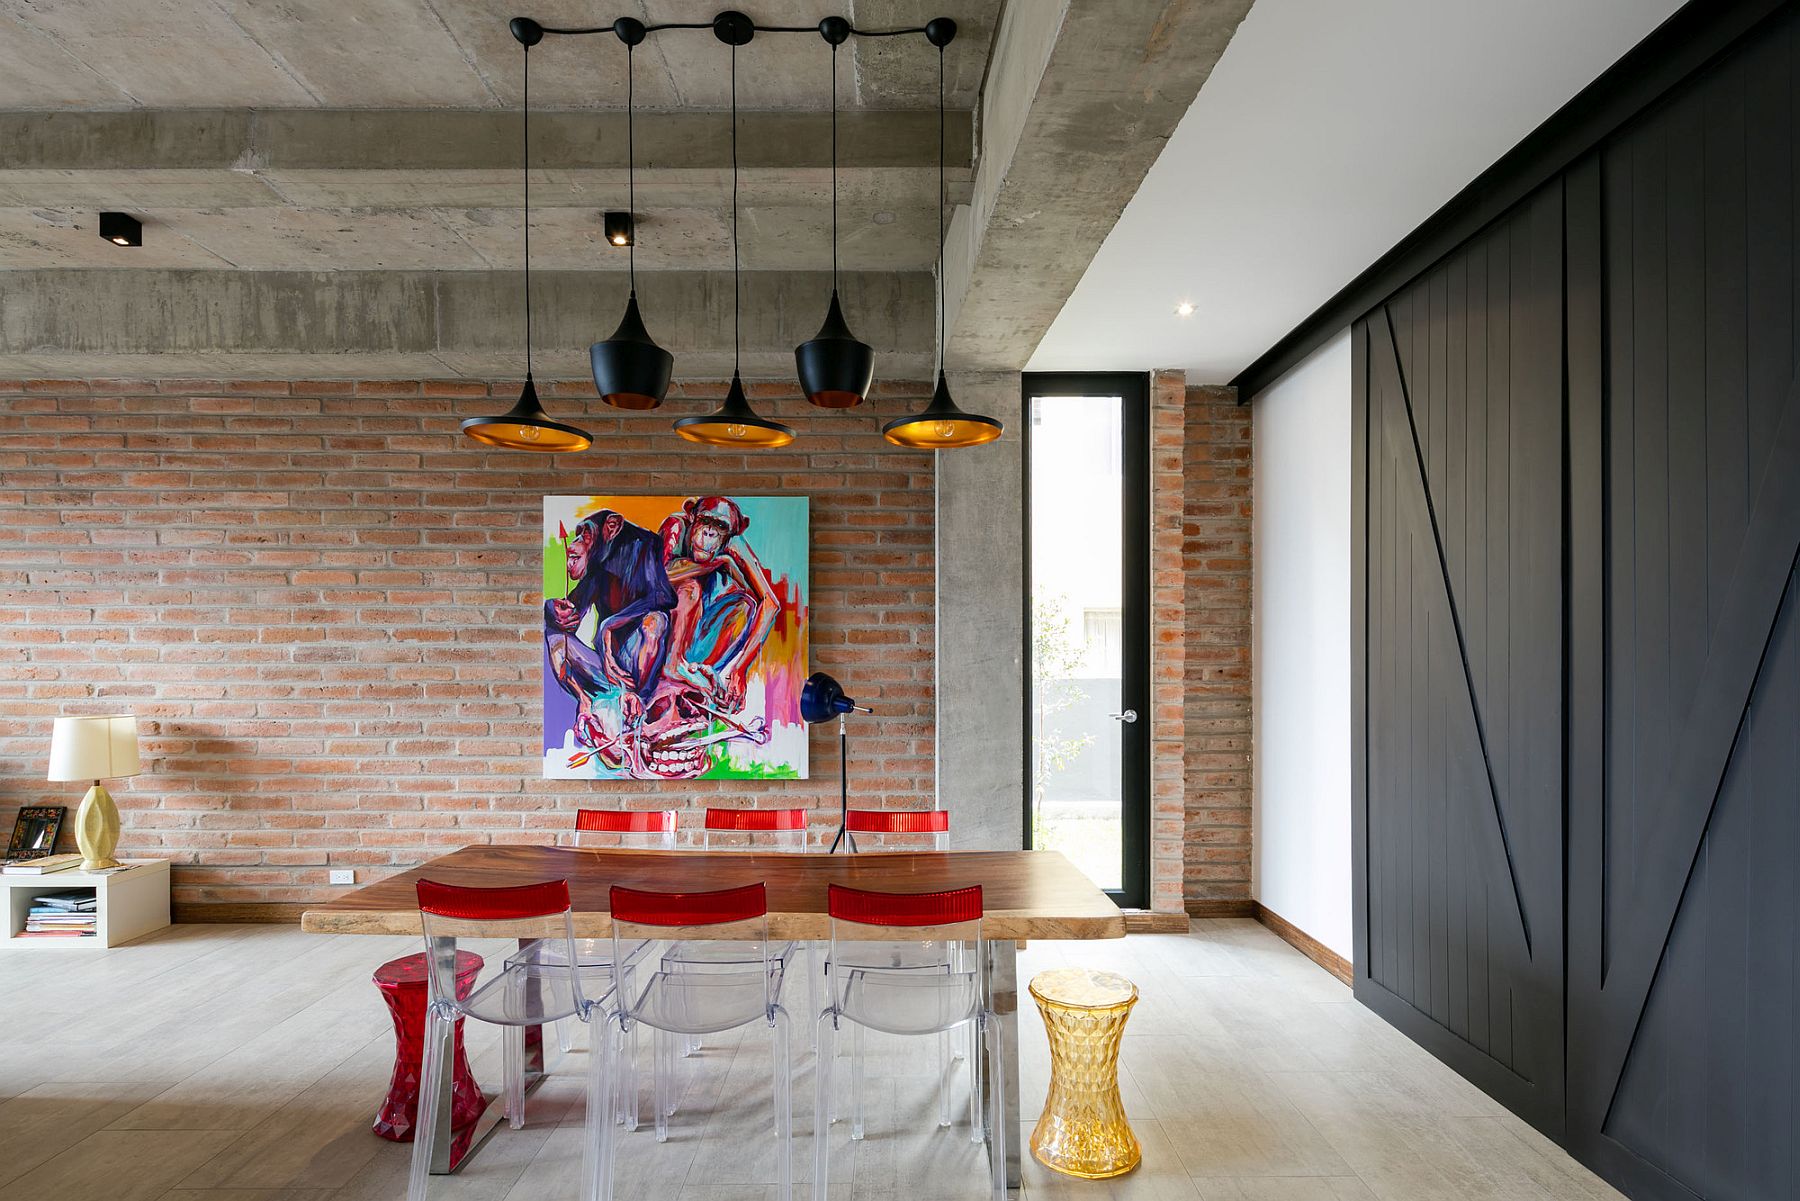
(323, 603)
(1168, 640)
(1216, 562)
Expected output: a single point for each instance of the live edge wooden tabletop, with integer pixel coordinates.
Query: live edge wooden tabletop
(1026, 894)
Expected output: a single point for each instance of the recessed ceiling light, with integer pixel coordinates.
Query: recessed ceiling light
(1185, 309)
(121, 229)
(618, 229)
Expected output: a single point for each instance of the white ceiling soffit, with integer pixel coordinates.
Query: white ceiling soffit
(1328, 132)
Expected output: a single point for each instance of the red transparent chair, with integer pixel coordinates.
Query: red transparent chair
(516, 996)
(904, 830)
(645, 830)
(739, 830)
(909, 827)
(631, 830)
(908, 964)
(695, 996)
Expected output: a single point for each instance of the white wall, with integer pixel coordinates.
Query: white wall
(1300, 648)
(1314, 114)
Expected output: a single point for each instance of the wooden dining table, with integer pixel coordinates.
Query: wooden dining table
(1025, 895)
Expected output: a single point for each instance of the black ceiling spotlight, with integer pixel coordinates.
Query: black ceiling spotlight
(941, 425)
(619, 229)
(835, 369)
(526, 426)
(630, 370)
(121, 229)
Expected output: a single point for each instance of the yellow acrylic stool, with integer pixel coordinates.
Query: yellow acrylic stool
(1083, 1131)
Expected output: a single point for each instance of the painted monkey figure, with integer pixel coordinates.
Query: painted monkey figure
(725, 606)
(618, 572)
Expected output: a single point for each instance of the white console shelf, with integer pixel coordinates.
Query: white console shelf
(132, 903)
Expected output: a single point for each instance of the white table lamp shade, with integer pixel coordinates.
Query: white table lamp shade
(93, 748)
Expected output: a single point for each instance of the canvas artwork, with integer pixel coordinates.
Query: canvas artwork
(675, 633)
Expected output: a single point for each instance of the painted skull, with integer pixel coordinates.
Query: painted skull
(671, 743)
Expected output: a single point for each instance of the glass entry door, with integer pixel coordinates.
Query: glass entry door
(1087, 621)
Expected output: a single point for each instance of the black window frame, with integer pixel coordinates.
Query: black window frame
(1133, 390)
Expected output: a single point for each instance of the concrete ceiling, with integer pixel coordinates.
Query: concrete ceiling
(316, 135)
(1327, 132)
(120, 54)
(331, 187)
(292, 161)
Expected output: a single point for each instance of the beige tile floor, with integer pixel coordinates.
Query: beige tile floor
(213, 1063)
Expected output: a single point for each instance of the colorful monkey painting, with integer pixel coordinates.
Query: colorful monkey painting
(675, 635)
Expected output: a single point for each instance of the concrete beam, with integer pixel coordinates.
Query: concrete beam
(134, 189)
(284, 140)
(406, 324)
(310, 190)
(792, 237)
(1080, 97)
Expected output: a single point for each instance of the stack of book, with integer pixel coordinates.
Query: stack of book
(43, 865)
(62, 915)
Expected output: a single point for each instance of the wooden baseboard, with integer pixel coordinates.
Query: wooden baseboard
(1143, 921)
(1225, 908)
(1305, 943)
(275, 913)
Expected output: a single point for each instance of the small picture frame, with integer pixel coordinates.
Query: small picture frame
(34, 831)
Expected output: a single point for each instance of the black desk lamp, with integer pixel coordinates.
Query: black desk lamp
(820, 699)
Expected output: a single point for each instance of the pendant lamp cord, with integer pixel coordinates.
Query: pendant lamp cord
(631, 166)
(526, 118)
(943, 195)
(834, 165)
(737, 300)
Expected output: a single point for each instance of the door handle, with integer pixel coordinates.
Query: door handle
(1130, 715)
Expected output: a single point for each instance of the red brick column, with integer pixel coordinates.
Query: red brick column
(1216, 671)
(1168, 640)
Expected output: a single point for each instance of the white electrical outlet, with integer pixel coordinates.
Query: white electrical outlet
(343, 876)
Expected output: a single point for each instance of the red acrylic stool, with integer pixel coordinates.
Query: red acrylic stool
(403, 986)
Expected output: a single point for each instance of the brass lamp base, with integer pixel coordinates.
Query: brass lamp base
(97, 829)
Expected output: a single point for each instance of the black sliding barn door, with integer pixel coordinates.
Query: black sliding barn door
(1460, 928)
(1578, 507)
(1684, 1011)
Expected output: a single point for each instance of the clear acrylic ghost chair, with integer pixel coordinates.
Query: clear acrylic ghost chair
(911, 830)
(647, 830)
(696, 997)
(753, 830)
(875, 938)
(514, 997)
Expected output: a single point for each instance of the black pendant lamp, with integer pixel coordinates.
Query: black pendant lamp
(735, 423)
(835, 369)
(630, 370)
(941, 425)
(526, 426)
